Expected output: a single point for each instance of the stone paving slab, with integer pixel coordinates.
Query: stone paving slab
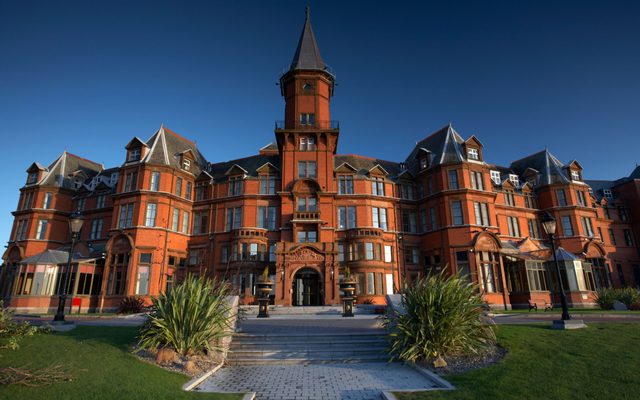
(363, 381)
(316, 326)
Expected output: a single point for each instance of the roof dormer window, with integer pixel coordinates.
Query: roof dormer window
(186, 164)
(575, 175)
(473, 154)
(424, 163)
(608, 194)
(495, 177)
(134, 154)
(32, 178)
(514, 179)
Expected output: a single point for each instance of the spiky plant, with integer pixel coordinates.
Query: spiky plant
(443, 317)
(190, 319)
(628, 296)
(605, 298)
(131, 305)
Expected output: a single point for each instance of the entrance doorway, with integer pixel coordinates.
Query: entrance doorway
(307, 288)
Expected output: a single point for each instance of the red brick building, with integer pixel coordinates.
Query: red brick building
(305, 212)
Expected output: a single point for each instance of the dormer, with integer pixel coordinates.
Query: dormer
(575, 171)
(424, 158)
(267, 169)
(78, 178)
(34, 172)
(496, 177)
(378, 171)
(513, 178)
(136, 150)
(187, 159)
(473, 149)
(345, 169)
(531, 176)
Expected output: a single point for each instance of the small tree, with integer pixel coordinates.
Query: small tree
(443, 317)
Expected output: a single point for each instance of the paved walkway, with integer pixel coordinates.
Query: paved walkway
(317, 381)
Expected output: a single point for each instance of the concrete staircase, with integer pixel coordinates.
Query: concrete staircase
(362, 309)
(307, 348)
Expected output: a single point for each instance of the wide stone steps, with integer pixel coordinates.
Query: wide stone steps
(363, 309)
(250, 349)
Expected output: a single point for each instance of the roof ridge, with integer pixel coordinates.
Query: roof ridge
(179, 136)
(85, 159)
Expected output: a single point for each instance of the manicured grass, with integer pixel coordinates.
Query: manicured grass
(599, 362)
(571, 311)
(102, 366)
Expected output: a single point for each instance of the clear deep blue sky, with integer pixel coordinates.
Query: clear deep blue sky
(521, 75)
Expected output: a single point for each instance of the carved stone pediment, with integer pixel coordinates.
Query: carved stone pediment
(305, 254)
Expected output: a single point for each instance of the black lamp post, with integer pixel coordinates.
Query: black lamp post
(75, 224)
(549, 225)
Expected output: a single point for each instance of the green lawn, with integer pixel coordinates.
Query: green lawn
(102, 366)
(599, 362)
(571, 311)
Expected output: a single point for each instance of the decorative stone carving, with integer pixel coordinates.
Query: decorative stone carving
(305, 254)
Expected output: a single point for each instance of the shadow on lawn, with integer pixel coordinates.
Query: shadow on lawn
(121, 338)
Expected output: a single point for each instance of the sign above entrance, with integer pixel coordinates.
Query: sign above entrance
(305, 254)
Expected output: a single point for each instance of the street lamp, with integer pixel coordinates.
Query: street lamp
(75, 224)
(549, 225)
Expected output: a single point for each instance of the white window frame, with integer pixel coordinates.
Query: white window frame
(495, 177)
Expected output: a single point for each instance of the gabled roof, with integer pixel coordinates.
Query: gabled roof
(235, 170)
(136, 141)
(551, 169)
(250, 164)
(445, 147)
(59, 172)
(307, 54)
(36, 166)
(166, 147)
(362, 165)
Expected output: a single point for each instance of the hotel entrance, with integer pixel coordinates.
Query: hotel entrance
(307, 288)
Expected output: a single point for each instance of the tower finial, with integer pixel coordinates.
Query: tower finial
(307, 12)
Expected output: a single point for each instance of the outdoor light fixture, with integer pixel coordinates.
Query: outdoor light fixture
(75, 225)
(549, 225)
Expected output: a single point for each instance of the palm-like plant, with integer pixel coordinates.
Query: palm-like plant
(190, 318)
(443, 316)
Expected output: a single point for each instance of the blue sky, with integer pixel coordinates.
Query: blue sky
(521, 75)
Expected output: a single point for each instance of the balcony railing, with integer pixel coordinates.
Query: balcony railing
(248, 256)
(306, 215)
(364, 232)
(329, 125)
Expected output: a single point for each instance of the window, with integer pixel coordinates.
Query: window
(582, 200)
(32, 178)
(126, 215)
(477, 182)
(488, 266)
(567, 228)
(307, 169)
(495, 177)
(155, 181)
(424, 163)
(628, 237)
(46, 203)
(234, 218)
(453, 179)
(462, 265)
(423, 221)
(200, 191)
(379, 289)
(370, 283)
(388, 254)
(150, 219)
(345, 184)
(408, 191)
(145, 258)
(187, 192)
(307, 143)
(80, 203)
(600, 234)
(621, 275)
(379, 217)
(307, 204)
(587, 227)
(529, 200)
(612, 237)
(359, 283)
(200, 222)
(472, 154)
(534, 232)
(178, 187)
(341, 252)
(456, 213)
(368, 254)
(267, 217)
(514, 179)
(346, 217)
(433, 218)
(623, 214)
(185, 222)
(142, 280)
(21, 229)
(224, 254)
(96, 229)
(134, 154)
(307, 236)
(377, 186)
(509, 198)
(537, 276)
(607, 193)
(235, 186)
(186, 164)
(28, 200)
(130, 181)
(307, 119)
(562, 198)
(175, 220)
(42, 229)
(409, 221)
(481, 211)
(575, 175)
(101, 201)
(412, 255)
(514, 226)
(272, 252)
(267, 184)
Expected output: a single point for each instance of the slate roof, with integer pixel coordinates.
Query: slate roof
(58, 173)
(445, 146)
(551, 169)
(597, 187)
(250, 164)
(635, 174)
(364, 164)
(166, 147)
(307, 54)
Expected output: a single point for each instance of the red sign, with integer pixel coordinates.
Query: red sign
(76, 302)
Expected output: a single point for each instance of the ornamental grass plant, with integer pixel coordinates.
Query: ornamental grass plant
(630, 297)
(443, 317)
(190, 319)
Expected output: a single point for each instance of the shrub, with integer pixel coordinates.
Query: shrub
(10, 331)
(131, 305)
(605, 298)
(190, 318)
(444, 317)
(628, 296)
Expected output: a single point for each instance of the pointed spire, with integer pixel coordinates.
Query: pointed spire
(307, 54)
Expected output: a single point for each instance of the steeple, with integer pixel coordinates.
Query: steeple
(307, 54)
